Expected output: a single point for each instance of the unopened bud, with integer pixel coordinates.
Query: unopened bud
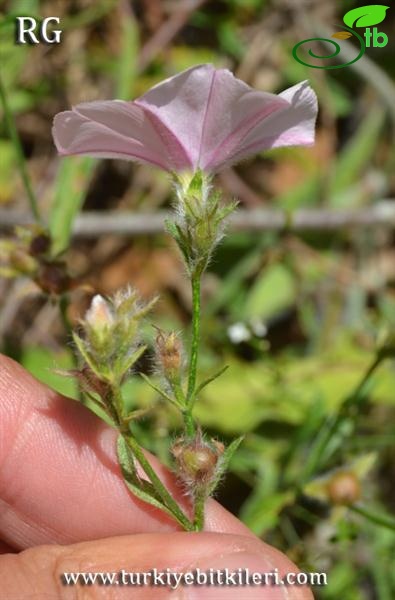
(169, 354)
(99, 315)
(196, 460)
(344, 488)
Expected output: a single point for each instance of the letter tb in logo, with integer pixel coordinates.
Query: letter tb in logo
(379, 39)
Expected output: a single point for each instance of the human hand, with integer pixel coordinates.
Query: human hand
(65, 508)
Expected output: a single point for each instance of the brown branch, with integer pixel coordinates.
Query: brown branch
(93, 224)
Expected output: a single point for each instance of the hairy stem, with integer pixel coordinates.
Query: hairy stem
(199, 504)
(195, 335)
(193, 360)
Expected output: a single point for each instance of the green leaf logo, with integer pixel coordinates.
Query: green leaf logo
(365, 16)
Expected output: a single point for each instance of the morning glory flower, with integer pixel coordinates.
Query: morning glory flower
(203, 118)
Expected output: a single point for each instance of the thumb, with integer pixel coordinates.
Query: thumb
(39, 572)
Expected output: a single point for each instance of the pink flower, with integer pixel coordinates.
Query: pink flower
(202, 118)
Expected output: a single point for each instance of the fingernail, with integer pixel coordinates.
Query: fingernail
(242, 564)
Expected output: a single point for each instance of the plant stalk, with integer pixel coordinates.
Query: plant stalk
(199, 504)
(194, 353)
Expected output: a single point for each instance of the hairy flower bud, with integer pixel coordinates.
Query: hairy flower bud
(197, 461)
(169, 354)
(344, 488)
(100, 314)
(110, 340)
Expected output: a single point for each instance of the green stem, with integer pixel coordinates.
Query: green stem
(9, 119)
(193, 359)
(178, 392)
(378, 518)
(166, 497)
(195, 335)
(199, 504)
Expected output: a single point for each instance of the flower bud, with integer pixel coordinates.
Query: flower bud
(197, 460)
(344, 488)
(169, 354)
(99, 315)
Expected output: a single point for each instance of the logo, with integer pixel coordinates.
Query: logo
(363, 16)
(30, 31)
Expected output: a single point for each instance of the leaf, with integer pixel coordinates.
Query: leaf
(127, 60)
(124, 363)
(82, 349)
(224, 462)
(349, 167)
(159, 390)
(365, 16)
(342, 35)
(69, 194)
(141, 488)
(202, 385)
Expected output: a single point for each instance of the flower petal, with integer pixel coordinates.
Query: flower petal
(292, 124)
(215, 116)
(117, 129)
(202, 106)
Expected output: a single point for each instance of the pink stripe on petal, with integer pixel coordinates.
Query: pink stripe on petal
(231, 145)
(291, 125)
(177, 155)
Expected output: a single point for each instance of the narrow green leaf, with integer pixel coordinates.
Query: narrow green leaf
(355, 157)
(378, 518)
(127, 62)
(142, 488)
(79, 342)
(202, 385)
(71, 185)
(123, 364)
(159, 390)
(224, 462)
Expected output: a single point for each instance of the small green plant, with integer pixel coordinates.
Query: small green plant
(191, 125)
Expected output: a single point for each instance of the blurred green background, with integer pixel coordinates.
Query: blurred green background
(305, 320)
